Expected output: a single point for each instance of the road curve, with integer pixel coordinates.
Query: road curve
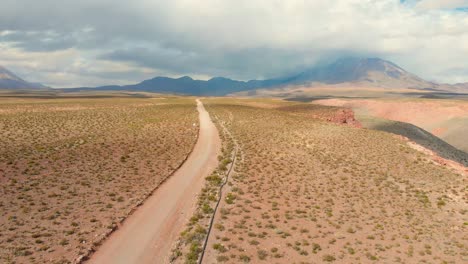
(148, 235)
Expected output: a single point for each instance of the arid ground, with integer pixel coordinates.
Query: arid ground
(306, 190)
(149, 234)
(444, 118)
(294, 183)
(72, 169)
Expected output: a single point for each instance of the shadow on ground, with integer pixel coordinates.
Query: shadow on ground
(418, 135)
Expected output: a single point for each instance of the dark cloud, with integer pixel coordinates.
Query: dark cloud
(241, 64)
(240, 39)
(40, 41)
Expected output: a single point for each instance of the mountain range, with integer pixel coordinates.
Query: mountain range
(370, 72)
(9, 80)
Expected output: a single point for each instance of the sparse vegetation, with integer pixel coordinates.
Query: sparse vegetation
(71, 169)
(304, 189)
(207, 201)
(301, 189)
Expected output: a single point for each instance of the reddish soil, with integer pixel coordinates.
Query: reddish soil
(346, 117)
(149, 234)
(437, 159)
(421, 113)
(337, 115)
(446, 119)
(439, 131)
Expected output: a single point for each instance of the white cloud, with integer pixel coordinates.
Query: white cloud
(70, 68)
(442, 4)
(240, 39)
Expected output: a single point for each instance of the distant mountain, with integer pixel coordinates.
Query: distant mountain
(373, 72)
(187, 85)
(459, 87)
(217, 86)
(9, 80)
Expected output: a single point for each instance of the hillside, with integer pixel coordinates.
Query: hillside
(418, 135)
(9, 80)
(217, 86)
(345, 72)
(444, 118)
(373, 71)
(362, 72)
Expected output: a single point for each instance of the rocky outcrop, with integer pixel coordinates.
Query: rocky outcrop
(345, 117)
(338, 115)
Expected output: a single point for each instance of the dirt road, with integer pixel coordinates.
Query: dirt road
(149, 234)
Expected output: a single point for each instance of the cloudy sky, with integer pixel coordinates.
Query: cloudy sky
(69, 43)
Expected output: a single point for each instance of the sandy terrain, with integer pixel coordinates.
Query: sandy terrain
(447, 119)
(148, 235)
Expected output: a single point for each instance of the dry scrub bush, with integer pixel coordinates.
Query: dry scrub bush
(309, 190)
(72, 168)
(192, 239)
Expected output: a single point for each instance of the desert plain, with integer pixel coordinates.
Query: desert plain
(308, 181)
